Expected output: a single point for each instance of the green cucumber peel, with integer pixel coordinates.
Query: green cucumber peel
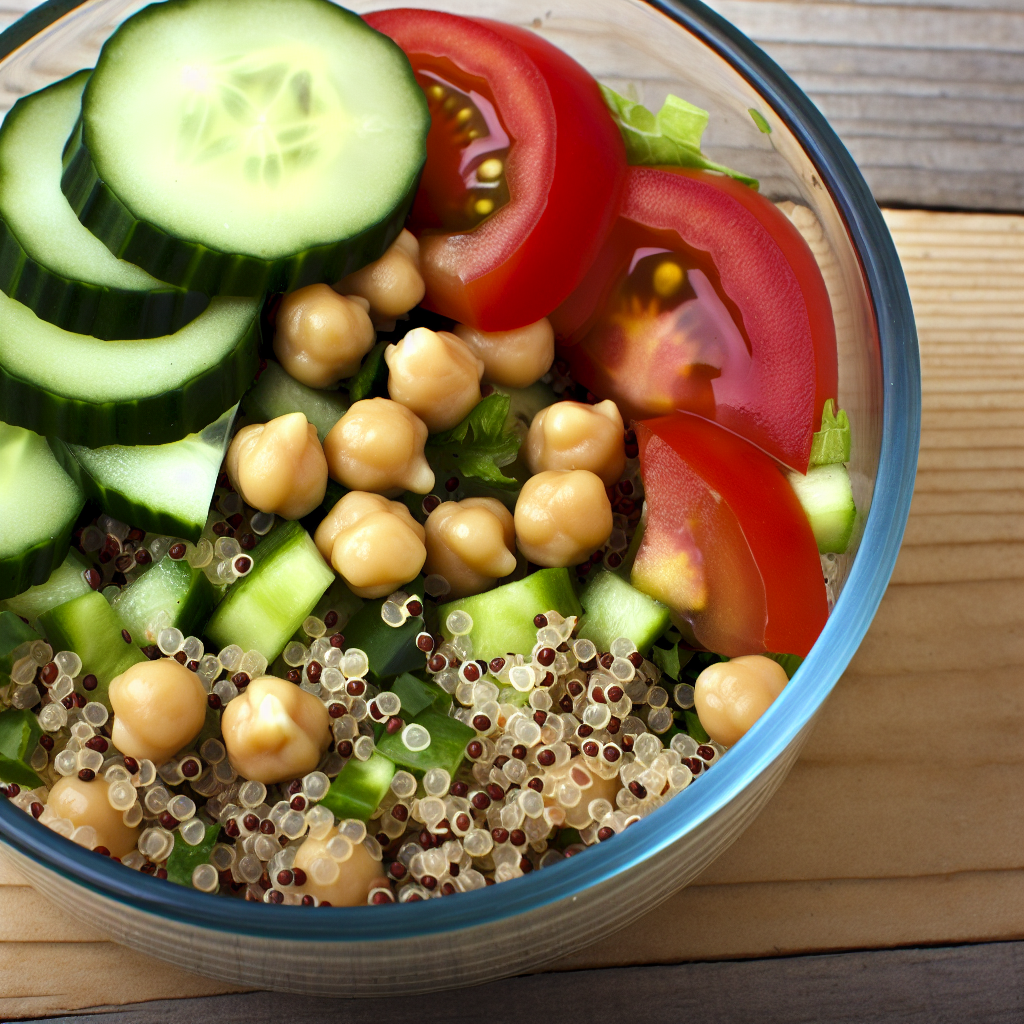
(694, 728)
(19, 734)
(359, 787)
(417, 696)
(448, 739)
(480, 445)
(832, 443)
(372, 379)
(184, 859)
(670, 138)
(277, 393)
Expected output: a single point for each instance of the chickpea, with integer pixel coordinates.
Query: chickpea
(378, 446)
(356, 876)
(86, 803)
(571, 435)
(320, 336)
(562, 517)
(275, 731)
(435, 375)
(279, 466)
(513, 359)
(392, 285)
(375, 544)
(732, 695)
(470, 543)
(159, 707)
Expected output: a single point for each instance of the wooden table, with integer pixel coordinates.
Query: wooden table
(902, 825)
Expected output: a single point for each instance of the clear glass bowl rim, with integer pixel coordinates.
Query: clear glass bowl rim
(856, 607)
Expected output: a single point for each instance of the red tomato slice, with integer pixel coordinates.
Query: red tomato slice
(727, 546)
(738, 326)
(517, 124)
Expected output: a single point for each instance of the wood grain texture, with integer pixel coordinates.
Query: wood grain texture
(903, 822)
(927, 96)
(938, 986)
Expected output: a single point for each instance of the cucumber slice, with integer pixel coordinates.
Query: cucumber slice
(827, 498)
(276, 393)
(263, 609)
(39, 504)
(91, 628)
(448, 739)
(417, 696)
(170, 586)
(389, 649)
(614, 608)
(149, 391)
(243, 146)
(48, 260)
(503, 617)
(66, 582)
(164, 488)
(13, 633)
(359, 787)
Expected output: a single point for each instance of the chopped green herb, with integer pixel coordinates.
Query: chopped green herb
(372, 378)
(19, 734)
(694, 728)
(670, 137)
(671, 661)
(184, 859)
(478, 446)
(790, 662)
(758, 118)
(831, 444)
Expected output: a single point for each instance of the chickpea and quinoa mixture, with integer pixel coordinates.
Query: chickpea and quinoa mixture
(438, 604)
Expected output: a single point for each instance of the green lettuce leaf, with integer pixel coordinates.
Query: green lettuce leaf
(19, 734)
(669, 138)
(831, 444)
(790, 662)
(184, 859)
(478, 446)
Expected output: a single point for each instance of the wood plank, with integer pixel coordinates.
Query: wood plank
(933, 986)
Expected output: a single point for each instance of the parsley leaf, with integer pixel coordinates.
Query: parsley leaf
(671, 137)
(831, 444)
(371, 380)
(19, 734)
(478, 446)
(184, 859)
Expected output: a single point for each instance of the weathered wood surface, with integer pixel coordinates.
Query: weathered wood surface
(962, 985)
(903, 822)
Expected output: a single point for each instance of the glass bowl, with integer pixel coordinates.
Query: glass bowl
(654, 47)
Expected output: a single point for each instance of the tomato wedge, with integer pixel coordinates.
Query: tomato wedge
(524, 170)
(706, 298)
(727, 546)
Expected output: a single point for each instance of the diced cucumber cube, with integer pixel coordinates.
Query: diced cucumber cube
(614, 608)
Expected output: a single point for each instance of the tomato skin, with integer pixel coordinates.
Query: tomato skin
(765, 276)
(565, 172)
(727, 544)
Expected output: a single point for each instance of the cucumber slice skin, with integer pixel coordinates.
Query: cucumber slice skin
(614, 608)
(195, 267)
(91, 471)
(276, 393)
(92, 629)
(319, 241)
(64, 584)
(390, 650)
(359, 787)
(39, 504)
(151, 419)
(186, 594)
(826, 495)
(263, 609)
(81, 306)
(503, 617)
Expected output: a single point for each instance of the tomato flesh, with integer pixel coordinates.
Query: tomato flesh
(738, 328)
(727, 545)
(563, 168)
